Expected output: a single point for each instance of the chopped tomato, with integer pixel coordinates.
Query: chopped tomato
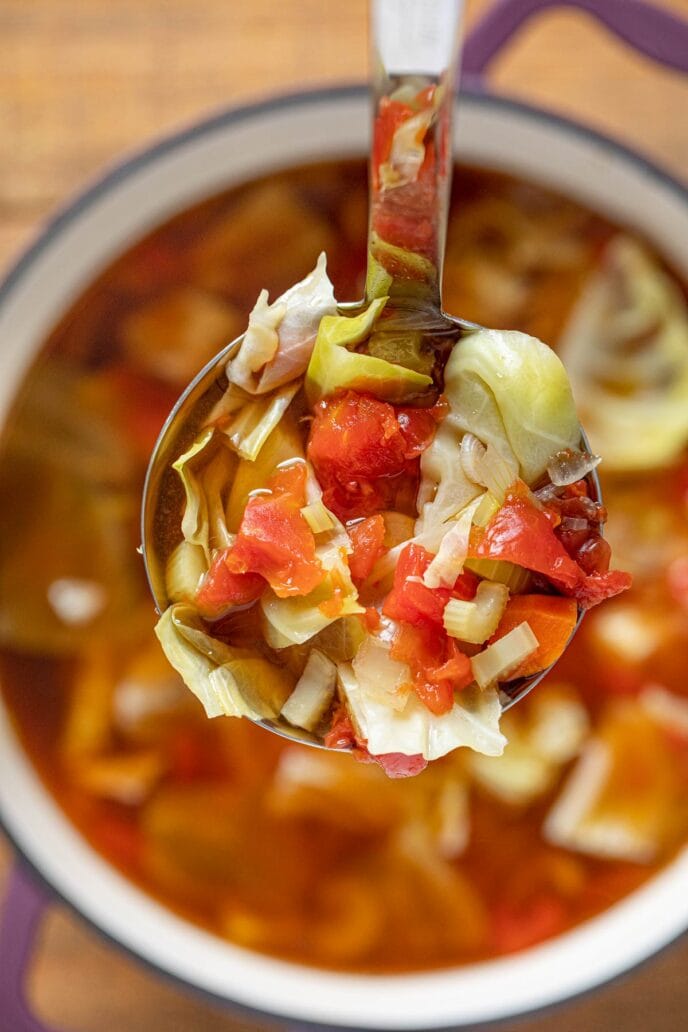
(341, 734)
(438, 666)
(598, 586)
(222, 590)
(410, 600)
(551, 619)
(367, 540)
(399, 765)
(371, 619)
(274, 539)
(364, 451)
(522, 533)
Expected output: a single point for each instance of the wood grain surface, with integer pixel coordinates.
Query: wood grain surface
(84, 81)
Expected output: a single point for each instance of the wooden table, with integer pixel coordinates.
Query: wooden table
(81, 82)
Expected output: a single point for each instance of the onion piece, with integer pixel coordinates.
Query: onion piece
(569, 466)
(313, 692)
(498, 660)
(485, 466)
(448, 563)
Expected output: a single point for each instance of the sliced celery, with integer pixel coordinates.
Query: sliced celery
(516, 578)
(476, 621)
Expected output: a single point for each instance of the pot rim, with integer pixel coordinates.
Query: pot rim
(77, 207)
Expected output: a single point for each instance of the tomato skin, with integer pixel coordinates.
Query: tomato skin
(274, 539)
(222, 590)
(523, 534)
(341, 734)
(597, 587)
(365, 452)
(399, 765)
(367, 539)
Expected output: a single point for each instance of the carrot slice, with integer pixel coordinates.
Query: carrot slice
(551, 619)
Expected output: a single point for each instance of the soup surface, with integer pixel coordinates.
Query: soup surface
(274, 846)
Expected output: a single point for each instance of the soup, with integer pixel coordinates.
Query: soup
(274, 846)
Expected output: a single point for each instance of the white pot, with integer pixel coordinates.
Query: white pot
(80, 242)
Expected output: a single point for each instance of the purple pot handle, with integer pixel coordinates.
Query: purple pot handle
(654, 32)
(20, 919)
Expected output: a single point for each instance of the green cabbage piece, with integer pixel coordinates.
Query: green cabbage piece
(510, 390)
(626, 349)
(228, 681)
(206, 470)
(252, 424)
(333, 367)
(473, 721)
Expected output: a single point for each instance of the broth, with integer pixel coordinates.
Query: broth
(277, 847)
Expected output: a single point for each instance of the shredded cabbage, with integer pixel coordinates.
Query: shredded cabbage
(448, 563)
(512, 391)
(333, 367)
(386, 679)
(259, 366)
(184, 572)
(228, 681)
(206, 470)
(253, 423)
(295, 620)
(473, 721)
(626, 349)
(543, 734)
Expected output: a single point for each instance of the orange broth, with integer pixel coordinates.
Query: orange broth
(310, 857)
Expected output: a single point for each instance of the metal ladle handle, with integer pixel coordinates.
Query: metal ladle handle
(414, 41)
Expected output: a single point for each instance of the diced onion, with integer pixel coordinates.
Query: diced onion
(476, 621)
(313, 692)
(569, 465)
(497, 661)
(485, 466)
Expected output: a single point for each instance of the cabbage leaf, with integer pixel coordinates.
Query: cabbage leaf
(293, 621)
(510, 390)
(333, 367)
(228, 681)
(279, 340)
(473, 721)
(205, 470)
(626, 349)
